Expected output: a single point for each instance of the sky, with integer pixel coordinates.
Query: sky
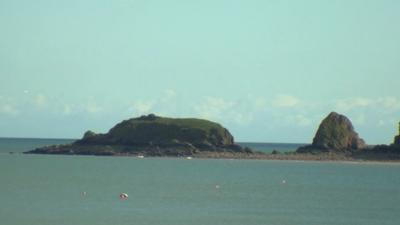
(268, 70)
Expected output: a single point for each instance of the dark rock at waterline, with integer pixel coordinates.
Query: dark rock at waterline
(274, 152)
(388, 149)
(397, 138)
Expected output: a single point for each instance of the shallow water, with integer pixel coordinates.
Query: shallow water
(47, 190)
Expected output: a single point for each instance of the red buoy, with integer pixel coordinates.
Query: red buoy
(123, 196)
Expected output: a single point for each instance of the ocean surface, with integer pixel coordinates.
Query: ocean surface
(75, 190)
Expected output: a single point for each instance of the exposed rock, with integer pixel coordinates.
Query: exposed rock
(274, 152)
(89, 134)
(335, 132)
(152, 135)
(397, 138)
(381, 152)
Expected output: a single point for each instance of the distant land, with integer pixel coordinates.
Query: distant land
(155, 136)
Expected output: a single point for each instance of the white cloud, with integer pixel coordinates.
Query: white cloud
(213, 108)
(8, 107)
(299, 120)
(40, 101)
(92, 107)
(389, 103)
(221, 110)
(285, 101)
(381, 123)
(142, 107)
(260, 103)
(360, 119)
(67, 109)
(167, 97)
(242, 118)
(351, 103)
(302, 120)
(169, 93)
(9, 110)
(162, 105)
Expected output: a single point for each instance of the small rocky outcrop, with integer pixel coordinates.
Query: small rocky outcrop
(335, 133)
(154, 136)
(397, 138)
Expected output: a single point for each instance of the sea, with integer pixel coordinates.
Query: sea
(85, 190)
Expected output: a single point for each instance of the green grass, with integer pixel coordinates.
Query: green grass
(193, 123)
(152, 129)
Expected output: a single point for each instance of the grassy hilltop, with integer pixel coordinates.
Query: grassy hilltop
(154, 136)
(155, 130)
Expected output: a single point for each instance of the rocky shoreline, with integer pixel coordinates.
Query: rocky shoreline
(354, 156)
(153, 136)
(289, 156)
(183, 150)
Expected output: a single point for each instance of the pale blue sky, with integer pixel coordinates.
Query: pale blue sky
(267, 70)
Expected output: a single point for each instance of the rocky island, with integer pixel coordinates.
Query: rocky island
(337, 139)
(335, 133)
(152, 135)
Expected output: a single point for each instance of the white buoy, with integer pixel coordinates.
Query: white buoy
(123, 196)
(140, 156)
(83, 193)
(283, 181)
(188, 157)
(217, 186)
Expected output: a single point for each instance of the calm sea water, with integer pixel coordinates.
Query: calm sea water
(269, 147)
(19, 145)
(47, 190)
